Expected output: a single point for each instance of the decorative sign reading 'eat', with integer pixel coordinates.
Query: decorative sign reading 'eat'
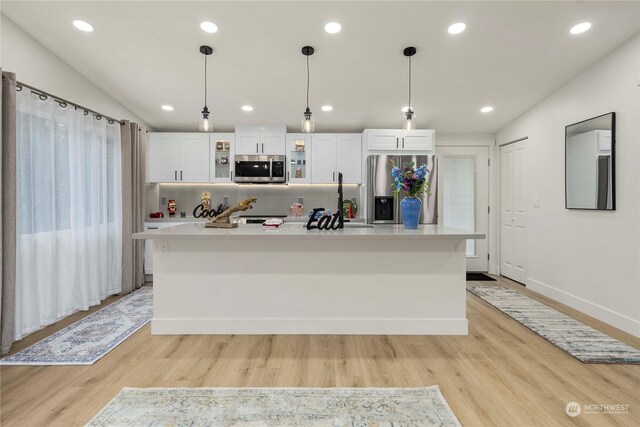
(325, 222)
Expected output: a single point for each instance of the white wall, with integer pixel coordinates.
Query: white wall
(589, 260)
(37, 66)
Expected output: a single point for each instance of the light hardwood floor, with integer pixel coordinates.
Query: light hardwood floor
(500, 374)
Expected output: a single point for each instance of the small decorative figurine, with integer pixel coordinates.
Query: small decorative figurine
(219, 145)
(224, 160)
(171, 207)
(227, 145)
(298, 173)
(299, 143)
(205, 199)
(296, 209)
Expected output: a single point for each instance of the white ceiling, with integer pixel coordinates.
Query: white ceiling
(512, 55)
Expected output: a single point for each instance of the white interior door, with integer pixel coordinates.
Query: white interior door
(463, 197)
(513, 213)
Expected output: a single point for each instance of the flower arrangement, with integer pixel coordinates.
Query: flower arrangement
(410, 179)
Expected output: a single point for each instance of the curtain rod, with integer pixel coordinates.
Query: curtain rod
(63, 102)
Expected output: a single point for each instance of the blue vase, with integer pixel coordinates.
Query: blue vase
(411, 208)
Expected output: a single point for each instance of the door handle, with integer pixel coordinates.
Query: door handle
(263, 148)
(334, 177)
(231, 175)
(175, 175)
(288, 176)
(397, 142)
(180, 175)
(257, 148)
(403, 142)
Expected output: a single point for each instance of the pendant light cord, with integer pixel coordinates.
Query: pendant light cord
(205, 80)
(307, 81)
(409, 83)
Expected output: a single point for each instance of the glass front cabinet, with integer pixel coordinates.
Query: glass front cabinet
(299, 158)
(221, 152)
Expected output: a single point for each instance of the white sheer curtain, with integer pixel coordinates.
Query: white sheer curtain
(69, 226)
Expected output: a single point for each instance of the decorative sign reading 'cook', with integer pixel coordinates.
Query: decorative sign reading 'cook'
(324, 222)
(201, 211)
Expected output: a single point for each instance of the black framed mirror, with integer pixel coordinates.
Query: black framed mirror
(589, 148)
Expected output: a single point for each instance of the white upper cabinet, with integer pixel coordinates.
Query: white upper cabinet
(261, 140)
(299, 158)
(194, 157)
(335, 153)
(400, 140)
(324, 158)
(163, 157)
(350, 157)
(222, 147)
(178, 157)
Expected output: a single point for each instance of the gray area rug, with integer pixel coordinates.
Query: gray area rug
(586, 344)
(355, 407)
(91, 338)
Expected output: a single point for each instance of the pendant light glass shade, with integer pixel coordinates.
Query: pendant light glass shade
(307, 117)
(307, 121)
(409, 117)
(206, 121)
(409, 120)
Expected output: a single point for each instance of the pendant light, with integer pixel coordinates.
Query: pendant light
(307, 117)
(206, 121)
(409, 117)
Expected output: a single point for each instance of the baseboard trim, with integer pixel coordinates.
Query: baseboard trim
(309, 326)
(589, 308)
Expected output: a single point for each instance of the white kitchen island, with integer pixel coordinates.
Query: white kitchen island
(383, 280)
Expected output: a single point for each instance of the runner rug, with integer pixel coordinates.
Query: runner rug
(586, 344)
(310, 407)
(91, 338)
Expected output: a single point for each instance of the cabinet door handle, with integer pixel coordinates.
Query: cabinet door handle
(231, 175)
(180, 175)
(257, 148)
(175, 175)
(263, 148)
(403, 142)
(334, 177)
(288, 176)
(397, 143)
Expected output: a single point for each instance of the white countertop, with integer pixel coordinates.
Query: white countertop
(197, 231)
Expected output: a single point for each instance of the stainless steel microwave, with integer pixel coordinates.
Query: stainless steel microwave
(259, 169)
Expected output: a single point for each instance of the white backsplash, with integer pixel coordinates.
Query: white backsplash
(272, 199)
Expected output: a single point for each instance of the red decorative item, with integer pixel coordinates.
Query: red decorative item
(171, 207)
(157, 214)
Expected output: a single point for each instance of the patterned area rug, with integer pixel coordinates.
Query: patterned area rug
(277, 407)
(586, 344)
(91, 338)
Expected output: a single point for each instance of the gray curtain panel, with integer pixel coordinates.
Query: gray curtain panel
(134, 141)
(8, 211)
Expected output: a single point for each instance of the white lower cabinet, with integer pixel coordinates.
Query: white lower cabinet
(148, 244)
(335, 153)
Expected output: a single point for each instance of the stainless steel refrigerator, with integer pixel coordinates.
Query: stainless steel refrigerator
(382, 206)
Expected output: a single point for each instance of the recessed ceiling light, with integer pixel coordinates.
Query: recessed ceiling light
(83, 26)
(247, 108)
(209, 27)
(457, 28)
(327, 108)
(167, 108)
(333, 27)
(580, 28)
(486, 109)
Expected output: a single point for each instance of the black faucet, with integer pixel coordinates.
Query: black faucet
(340, 202)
